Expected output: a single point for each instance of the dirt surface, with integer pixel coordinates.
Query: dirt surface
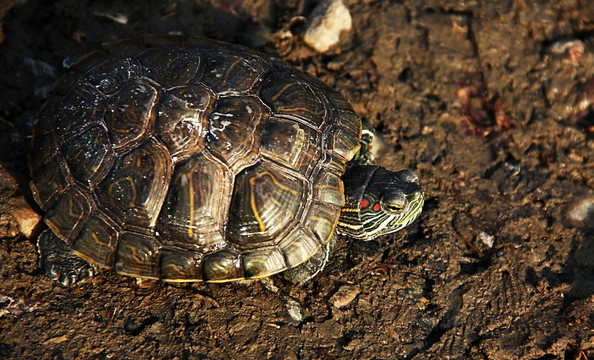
(490, 102)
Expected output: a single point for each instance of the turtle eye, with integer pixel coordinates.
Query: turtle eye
(394, 203)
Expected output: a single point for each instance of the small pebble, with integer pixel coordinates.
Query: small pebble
(580, 213)
(294, 311)
(344, 296)
(27, 219)
(486, 239)
(56, 340)
(327, 21)
(572, 49)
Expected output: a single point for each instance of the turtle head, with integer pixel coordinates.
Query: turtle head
(379, 201)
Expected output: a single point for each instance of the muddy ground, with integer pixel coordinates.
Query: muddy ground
(490, 102)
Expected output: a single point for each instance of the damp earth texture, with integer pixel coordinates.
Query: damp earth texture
(489, 103)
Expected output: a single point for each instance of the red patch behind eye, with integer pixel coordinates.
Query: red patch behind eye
(376, 207)
(363, 204)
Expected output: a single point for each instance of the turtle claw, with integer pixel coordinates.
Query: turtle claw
(77, 276)
(58, 261)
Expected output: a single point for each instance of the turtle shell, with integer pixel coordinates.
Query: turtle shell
(185, 159)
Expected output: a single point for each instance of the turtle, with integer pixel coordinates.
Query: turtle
(186, 159)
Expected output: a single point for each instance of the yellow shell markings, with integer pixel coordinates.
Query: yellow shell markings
(354, 151)
(294, 109)
(132, 187)
(95, 168)
(79, 153)
(184, 180)
(325, 220)
(280, 92)
(253, 197)
(88, 258)
(171, 61)
(71, 213)
(54, 228)
(134, 251)
(175, 268)
(278, 203)
(266, 273)
(235, 63)
(71, 208)
(224, 270)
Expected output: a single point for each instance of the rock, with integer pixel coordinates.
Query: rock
(486, 239)
(580, 213)
(27, 218)
(294, 311)
(326, 23)
(344, 296)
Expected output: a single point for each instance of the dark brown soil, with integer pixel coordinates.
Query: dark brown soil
(490, 102)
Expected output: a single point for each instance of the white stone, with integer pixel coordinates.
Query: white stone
(344, 296)
(487, 239)
(580, 213)
(326, 22)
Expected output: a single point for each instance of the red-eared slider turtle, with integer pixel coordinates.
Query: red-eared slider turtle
(185, 159)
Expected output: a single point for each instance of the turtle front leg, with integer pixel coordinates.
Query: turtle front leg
(372, 147)
(58, 261)
(303, 273)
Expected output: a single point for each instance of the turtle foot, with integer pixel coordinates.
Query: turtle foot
(303, 273)
(58, 261)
